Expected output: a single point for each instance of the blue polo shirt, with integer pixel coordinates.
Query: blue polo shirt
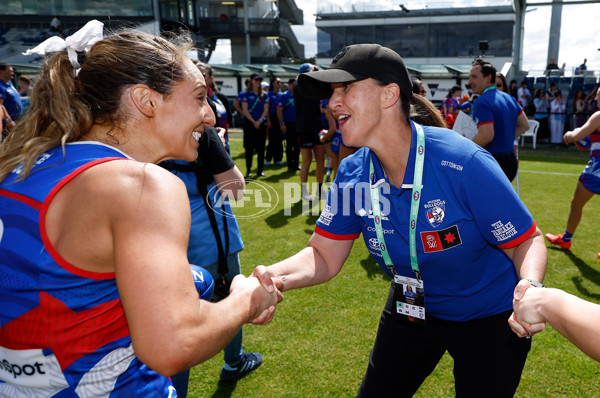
(273, 100)
(286, 101)
(502, 110)
(12, 99)
(255, 103)
(468, 213)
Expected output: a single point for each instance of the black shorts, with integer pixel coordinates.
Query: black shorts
(309, 140)
(508, 163)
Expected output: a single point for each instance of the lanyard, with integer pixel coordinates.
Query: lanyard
(488, 89)
(414, 207)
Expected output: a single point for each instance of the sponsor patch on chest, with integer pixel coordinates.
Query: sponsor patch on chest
(435, 241)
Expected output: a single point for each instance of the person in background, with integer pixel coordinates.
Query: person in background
(275, 145)
(524, 95)
(582, 68)
(557, 118)
(513, 89)
(116, 311)
(286, 117)
(418, 87)
(308, 126)
(464, 266)
(501, 83)
(9, 95)
(450, 105)
(589, 180)
(499, 118)
(542, 110)
(6, 123)
(237, 101)
(255, 107)
(219, 107)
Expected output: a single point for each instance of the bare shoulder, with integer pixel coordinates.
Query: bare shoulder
(126, 189)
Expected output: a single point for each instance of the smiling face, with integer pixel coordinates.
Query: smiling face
(183, 115)
(356, 106)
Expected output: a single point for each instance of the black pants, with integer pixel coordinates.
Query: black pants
(292, 146)
(508, 163)
(275, 145)
(254, 141)
(488, 356)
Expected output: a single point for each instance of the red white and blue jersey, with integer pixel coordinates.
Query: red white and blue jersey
(590, 177)
(63, 331)
(468, 213)
(501, 110)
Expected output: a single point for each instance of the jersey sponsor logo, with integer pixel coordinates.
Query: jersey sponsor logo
(31, 368)
(385, 231)
(373, 247)
(452, 165)
(503, 231)
(435, 241)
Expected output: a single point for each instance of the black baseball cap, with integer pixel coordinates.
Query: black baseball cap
(357, 62)
(256, 76)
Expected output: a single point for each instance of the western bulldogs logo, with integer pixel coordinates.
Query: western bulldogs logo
(435, 215)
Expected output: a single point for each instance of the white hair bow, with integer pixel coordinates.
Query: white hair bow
(78, 41)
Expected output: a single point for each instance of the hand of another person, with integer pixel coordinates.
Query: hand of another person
(567, 138)
(262, 300)
(221, 132)
(268, 283)
(526, 320)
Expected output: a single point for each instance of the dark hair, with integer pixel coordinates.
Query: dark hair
(452, 91)
(416, 85)
(64, 106)
(504, 87)
(487, 69)
(3, 65)
(272, 82)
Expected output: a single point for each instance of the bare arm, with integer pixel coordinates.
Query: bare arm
(530, 257)
(246, 112)
(522, 125)
(171, 329)
(231, 183)
(592, 124)
(574, 318)
(282, 125)
(485, 134)
(319, 262)
(237, 106)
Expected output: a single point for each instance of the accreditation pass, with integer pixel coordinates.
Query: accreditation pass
(409, 295)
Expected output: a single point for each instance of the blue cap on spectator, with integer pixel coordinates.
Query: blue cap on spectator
(304, 67)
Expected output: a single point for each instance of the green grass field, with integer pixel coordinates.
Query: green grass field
(319, 342)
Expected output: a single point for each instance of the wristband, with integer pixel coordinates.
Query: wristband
(535, 283)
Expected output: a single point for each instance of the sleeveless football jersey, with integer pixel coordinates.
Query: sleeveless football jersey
(63, 331)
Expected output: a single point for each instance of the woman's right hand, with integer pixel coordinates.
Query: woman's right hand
(262, 300)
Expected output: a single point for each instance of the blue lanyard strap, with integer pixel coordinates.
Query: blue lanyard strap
(414, 207)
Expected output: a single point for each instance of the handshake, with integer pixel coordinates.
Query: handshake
(260, 292)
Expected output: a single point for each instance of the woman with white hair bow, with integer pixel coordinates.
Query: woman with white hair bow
(97, 296)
